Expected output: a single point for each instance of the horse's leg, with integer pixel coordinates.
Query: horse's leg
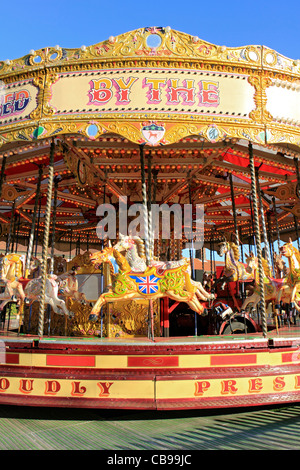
(10, 290)
(2, 305)
(196, 305)
(21, 291)
(97, 307)
(192, 301)
(201, 292)
(103, 300)
(254, 298)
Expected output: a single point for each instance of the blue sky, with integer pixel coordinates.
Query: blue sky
(71, 24)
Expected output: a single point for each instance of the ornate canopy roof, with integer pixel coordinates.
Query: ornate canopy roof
(192, 105)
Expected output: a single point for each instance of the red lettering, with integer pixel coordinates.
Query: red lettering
(52, 387)
(209, 94)
(4, 384)
(187, 90)
(154, 94)
(100, 91)
(124, 89)
(297, 381)
(26, 386)
(104, 388)
(77, 389)
(201, 387)
(228, 386)
(255, 385)
(278, 383)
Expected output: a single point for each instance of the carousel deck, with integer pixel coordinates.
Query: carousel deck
(140, 373)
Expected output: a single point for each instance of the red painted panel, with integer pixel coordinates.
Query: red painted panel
(12, 358)
(291, 356)
(70, 361)
(233, 359)
(153, 361)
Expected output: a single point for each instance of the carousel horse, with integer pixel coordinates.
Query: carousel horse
(11, 271)
(233, 269)
(64, 285)
(279, 266)
(135, 255)
(293, 276)
(275, 290)
(127, 284)
(68, 286)
(12, 268)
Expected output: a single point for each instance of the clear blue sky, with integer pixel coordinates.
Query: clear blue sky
(33, 24)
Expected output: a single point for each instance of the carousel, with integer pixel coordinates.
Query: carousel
(149, 245)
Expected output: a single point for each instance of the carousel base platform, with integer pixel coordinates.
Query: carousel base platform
(161, 374)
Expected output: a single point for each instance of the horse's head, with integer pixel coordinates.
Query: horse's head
(100, 257)
(125, 243)
(223, 248)
(287, 249)
(251, 262)
(34, 265)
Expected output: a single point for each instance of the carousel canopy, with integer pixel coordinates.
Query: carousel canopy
(191, 107)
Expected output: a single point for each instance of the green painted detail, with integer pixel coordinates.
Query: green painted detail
(38, 132)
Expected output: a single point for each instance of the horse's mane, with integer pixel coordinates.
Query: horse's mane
(121, 261)
(296, 252)
(266, 267)
(140, 246)
(235, 250)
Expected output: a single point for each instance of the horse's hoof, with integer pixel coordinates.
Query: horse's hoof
(93, 317)
(26, 301)
(14, 298)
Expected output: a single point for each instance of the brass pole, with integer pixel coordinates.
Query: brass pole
(147, 241)
(2, 175)
(32, 230)
(46, 242)
(263, 223)
(258, 241)
(53, 228)
(234, 210)
(145, 206)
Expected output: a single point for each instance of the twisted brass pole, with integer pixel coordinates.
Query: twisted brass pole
(145, 206)
(234, 210)
(32, 230)
(258, 240)
(51, 270)
(276, 220)
(147, 241)
(46, 242)
(263, 223)
(2, 175)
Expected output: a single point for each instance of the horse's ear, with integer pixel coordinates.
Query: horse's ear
(109, 244)
(290, 240)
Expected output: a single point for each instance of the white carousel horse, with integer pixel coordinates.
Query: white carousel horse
(33, 293)
(12, 270)
(135, 256)
(68, 286)
(64, 285)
